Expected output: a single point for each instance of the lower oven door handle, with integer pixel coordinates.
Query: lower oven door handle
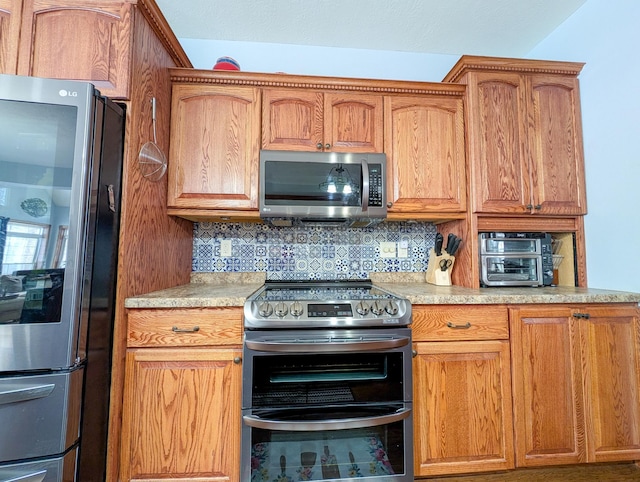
(313, 347)
(320, 425)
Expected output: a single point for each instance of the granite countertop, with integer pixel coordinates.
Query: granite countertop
(232, 289)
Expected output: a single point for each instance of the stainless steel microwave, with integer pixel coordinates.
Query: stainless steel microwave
(335, 188)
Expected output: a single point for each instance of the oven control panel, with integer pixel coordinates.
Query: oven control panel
(322, 307)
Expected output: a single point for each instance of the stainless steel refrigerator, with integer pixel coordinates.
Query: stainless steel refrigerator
(61, 149)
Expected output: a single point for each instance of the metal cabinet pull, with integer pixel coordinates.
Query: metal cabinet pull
(466, 326)
(319, 145)
(584, 316)
(175, 329)
(237, 360)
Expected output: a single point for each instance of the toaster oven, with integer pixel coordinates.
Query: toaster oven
(515, 259)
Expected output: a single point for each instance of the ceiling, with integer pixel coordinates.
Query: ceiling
(454, 27)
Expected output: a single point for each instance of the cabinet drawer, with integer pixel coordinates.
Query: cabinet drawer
(459, 322)
(185, 327)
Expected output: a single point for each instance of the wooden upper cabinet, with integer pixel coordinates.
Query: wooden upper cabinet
(10, 11)
(557, 167)
(496, 134)
(85, 40)
(308, 120)
(424, 143)
(215, 147)
(353, 122)
(525, 136)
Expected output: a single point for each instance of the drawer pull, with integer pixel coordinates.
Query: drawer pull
(466, 326)
(175, 329)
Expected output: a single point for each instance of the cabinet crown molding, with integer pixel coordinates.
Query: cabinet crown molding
(469, 63)
(196, 76)
(160, 26)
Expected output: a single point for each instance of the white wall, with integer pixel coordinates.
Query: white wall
(606, 35)
(334, 62)
(602, 33)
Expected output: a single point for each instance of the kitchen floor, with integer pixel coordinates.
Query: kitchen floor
(586, 473)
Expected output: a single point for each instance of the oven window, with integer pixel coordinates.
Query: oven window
(326, 455)
(503, 268)
(300, 380)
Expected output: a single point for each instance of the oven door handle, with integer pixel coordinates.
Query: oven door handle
(320, 425)
(313, 347)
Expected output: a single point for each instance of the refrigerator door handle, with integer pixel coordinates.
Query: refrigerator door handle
(112, 198)
(24, 393)
(32, 477)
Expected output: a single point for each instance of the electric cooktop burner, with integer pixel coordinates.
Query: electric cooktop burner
(321, 304)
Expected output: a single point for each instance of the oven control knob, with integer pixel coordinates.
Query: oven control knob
(265, 309)
(377, 308)
(296, 308)
(281, 309)
(362, 308)
(391, 308)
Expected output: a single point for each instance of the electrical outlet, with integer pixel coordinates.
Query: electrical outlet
(403, 249)
(387, 250)
(225, 248)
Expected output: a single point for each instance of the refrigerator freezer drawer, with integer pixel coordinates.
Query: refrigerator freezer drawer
(53, 469)
(41, 412)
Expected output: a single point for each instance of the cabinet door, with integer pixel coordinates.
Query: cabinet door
(611, 341)
(181, 416)
(86, 40)
(9, 35)
(353, 122)
(547, 386)
(215, 147)
(462, 407)
(556, 146)
(497, 137)
(424, 143)
(292, 120)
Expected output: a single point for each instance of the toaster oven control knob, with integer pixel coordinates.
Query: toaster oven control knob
(265, 309)
(362, 308)
(377, 308)
(296, 308)
(281, 309)
(391, 308)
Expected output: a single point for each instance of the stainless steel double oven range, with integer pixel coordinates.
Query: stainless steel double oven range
(327, 391)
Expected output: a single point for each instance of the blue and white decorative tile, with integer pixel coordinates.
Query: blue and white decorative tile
(310, 252)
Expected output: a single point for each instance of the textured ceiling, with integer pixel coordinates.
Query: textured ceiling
(480, 27)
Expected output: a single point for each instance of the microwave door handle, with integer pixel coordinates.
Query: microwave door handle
(321, 425)
(365, 185)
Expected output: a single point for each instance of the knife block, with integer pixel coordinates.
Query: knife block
(435, 274)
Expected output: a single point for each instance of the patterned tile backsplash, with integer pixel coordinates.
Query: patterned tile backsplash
(310, 252)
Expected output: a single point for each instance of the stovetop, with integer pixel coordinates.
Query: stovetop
(318, 304)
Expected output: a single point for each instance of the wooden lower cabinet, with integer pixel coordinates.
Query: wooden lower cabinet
(576, 383)
(461, 390)
(462, 407)
(182, 414)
